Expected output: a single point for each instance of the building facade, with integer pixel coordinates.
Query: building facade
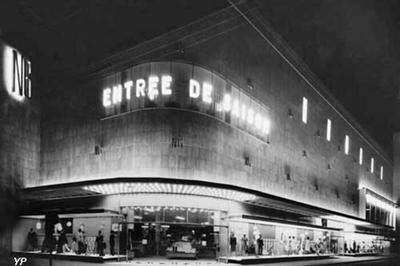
(200, 142)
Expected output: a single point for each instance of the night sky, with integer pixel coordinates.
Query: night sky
(354, 48)
(352, 45)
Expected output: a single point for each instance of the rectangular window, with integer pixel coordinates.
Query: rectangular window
(328, 129)
(346, 144)
(360, 156)
(372, 165)
(381, 173)
(304, 110)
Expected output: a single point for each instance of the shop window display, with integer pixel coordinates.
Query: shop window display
(172, 232)
(274, 240)
(75, 235)
(357, 243)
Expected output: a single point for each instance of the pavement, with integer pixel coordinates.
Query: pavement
(340, 260)
(337, 260)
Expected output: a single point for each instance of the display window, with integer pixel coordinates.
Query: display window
(358, 243)
(172, 232)
(247, 239)
(74, 234)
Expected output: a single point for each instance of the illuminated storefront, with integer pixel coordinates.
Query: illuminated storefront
(198, 221)
(182, 218)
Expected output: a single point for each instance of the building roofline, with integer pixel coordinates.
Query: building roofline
(231, 16)
(276, 41)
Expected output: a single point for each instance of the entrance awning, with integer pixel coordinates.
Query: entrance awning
(70, 195)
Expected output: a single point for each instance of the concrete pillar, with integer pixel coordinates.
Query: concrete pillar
(396, 166)
(362, 204)
(396, 184)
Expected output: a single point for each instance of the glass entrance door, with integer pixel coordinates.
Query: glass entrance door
(172, 232)
(173, 240)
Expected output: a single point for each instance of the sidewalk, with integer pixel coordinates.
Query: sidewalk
(339, 260)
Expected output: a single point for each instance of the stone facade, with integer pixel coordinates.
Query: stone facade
(298, 163)
(19, 147)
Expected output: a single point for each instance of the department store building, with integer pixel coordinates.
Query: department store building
(206, 135)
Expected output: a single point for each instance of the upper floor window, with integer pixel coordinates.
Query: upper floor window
(346, 144)
(381, 173)
(304, 110)
(360, 156)
(328, 129)
(372, 165)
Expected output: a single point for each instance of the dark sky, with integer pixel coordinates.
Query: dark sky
(352, 45)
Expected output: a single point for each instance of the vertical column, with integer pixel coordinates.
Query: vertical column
(396, 181)
(362, 203)
(158, 232)
(396, 166)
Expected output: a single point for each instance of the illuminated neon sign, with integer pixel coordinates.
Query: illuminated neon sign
(186, 85)
(17, 74)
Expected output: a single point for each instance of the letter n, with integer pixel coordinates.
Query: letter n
(17, 76)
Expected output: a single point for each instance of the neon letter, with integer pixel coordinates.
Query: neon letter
(152, 87)
(166, 85)
(235, 108)
(257, 121)
(227, 102)
(250, 116)
(244, 112)
(140, 85)
(128, 85)
(266, 126)
(106, 97)
(194, 89)
(117, 94)
(207, 89)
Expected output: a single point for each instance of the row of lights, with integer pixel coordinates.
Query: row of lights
(131, 187)
(170, 208)
(346, 139)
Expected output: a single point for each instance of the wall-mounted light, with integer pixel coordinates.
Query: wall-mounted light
(97, 150)
(250, 84)
(290, 113)
(155, 187)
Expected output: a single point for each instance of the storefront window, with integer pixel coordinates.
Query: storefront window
(277, 240)
(379, 211)
(176, 215)
(201, 216)
(146, 214)
(173, 232)
(357, 243)
(72, 234)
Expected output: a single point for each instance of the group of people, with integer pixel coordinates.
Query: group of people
(287, 245)
(79, 245)
(245, 246)
(363, 247)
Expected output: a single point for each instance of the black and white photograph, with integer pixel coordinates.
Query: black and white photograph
(199, 132)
